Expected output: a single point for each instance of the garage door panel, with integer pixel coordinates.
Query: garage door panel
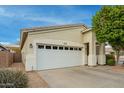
(49, 58)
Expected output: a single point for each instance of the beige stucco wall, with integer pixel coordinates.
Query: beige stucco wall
(89, 37)
(29, 54)
(73, 35)
(24, 51)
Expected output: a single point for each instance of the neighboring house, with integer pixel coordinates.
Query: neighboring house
(3, 48)
(109, 50)
(15, 49)
(60, 46)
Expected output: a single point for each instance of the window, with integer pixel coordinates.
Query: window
(87, 47)
(55, 47)
(71, 48)
(75, 48)
(40, 46)
(48, 47)
(79, 49)
(66, 48)
(60, 48)
(97, 50)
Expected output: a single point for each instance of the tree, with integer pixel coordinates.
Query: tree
(108, 24)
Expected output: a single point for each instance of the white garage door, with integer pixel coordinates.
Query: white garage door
(49, 57)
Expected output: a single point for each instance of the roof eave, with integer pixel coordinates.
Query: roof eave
(87, 30)
(23, 38)
(24, 32)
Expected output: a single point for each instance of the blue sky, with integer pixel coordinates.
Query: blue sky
(14, 18)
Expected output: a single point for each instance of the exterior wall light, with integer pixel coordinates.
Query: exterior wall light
(30, 46)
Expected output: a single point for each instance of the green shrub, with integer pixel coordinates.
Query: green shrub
(112, 53)
(111, 62)
(15, 79)
(109, 57)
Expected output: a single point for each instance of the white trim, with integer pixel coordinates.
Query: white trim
(59, 42)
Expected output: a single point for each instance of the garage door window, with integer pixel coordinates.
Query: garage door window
(60, 48)
(41, 46)
(79, 49)
(48, 47)
(71, 48)
(55, 47)
(75, 48)
(66, 48)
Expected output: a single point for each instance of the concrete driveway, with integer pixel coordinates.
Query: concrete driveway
(83, 77)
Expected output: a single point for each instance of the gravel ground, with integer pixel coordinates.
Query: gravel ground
(35, 81)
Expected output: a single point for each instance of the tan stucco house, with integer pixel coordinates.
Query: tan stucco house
(60, 46)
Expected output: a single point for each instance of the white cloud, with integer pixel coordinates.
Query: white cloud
(48, 19)
(18, 39)
(3, 12)
(65, 19)
(5, 43)
(32, 17)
